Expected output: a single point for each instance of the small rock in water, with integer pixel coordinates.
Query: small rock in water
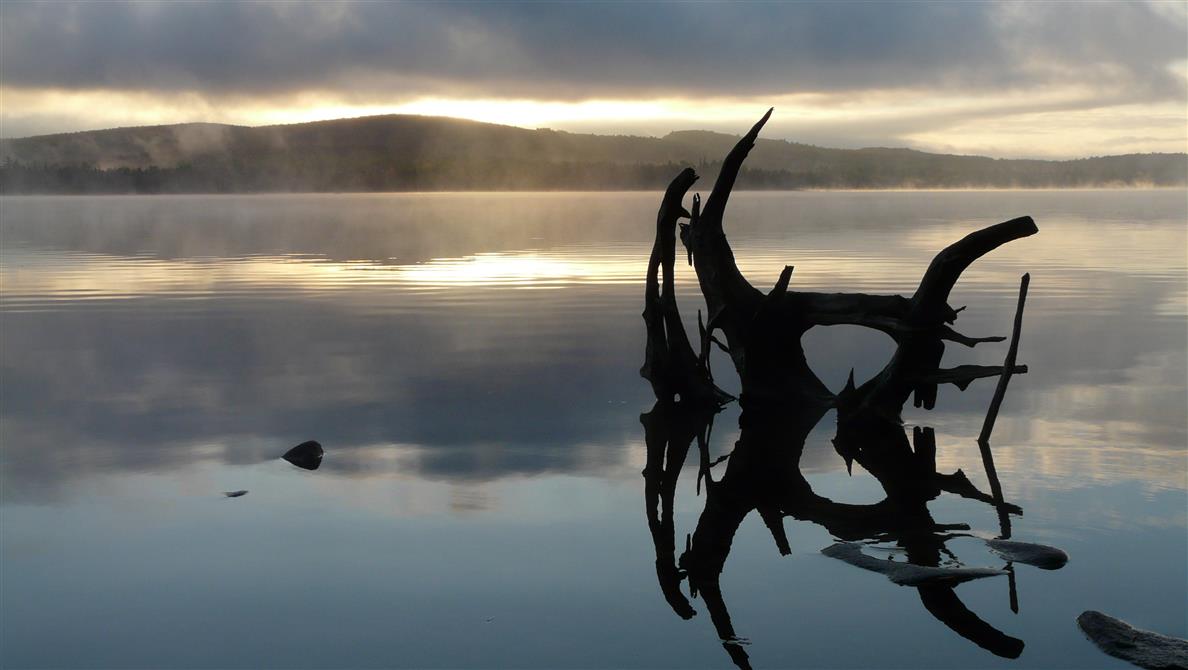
(1038, 555)
(307, 455)
(906, 574)
(1140, 647)
(234, 494)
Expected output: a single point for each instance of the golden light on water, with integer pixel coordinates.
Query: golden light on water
(1062, 248)
(95, 277)
(524, 269)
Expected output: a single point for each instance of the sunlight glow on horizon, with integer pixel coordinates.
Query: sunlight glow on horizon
(1062, 122)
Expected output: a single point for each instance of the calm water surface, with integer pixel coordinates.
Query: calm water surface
(470, 363)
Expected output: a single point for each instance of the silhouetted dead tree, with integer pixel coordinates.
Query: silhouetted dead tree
(767, 326)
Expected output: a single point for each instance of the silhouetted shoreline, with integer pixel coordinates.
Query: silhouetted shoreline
(409, 153)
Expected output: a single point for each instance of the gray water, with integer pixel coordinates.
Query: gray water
(470, 364)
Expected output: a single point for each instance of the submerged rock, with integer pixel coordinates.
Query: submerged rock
(307, 455)
(906, 574)
(1038, 555)
(1140, 647)
(235, 494)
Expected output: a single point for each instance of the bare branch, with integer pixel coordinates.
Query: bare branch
(962, 375)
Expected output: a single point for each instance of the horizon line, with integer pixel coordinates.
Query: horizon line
(592, 134)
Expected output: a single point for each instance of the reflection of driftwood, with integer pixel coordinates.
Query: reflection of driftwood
(1140, 647)
(763, 475)
(942, 602)
(669, 430)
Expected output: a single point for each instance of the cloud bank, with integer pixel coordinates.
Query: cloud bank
(926, 66)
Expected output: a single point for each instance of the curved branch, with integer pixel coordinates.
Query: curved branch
(670, 363)
(715, 205)
(930, 302)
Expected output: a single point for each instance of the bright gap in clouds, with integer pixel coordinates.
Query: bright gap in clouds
(646, 117)
(1060, 122)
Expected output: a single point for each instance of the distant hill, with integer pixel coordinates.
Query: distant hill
(397, 152)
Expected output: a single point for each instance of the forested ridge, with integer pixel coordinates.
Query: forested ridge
(414, 153)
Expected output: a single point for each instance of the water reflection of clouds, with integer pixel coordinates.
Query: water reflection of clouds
(96, 391)
(234, 359)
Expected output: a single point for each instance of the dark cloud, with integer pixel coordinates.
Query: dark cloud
(575, 50)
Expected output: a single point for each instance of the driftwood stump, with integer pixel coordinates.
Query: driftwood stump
(763, 330)
(782, 400)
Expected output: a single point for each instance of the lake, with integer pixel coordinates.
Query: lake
(470, 363)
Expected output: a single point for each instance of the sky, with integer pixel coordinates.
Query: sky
(1013, 79)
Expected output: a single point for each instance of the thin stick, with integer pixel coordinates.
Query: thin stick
(1008, 367)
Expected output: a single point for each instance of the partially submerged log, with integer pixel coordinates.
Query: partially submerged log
(1140, 647)
(1037, 555)
(906, 574)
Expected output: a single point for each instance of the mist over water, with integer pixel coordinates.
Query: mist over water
(470, 364)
